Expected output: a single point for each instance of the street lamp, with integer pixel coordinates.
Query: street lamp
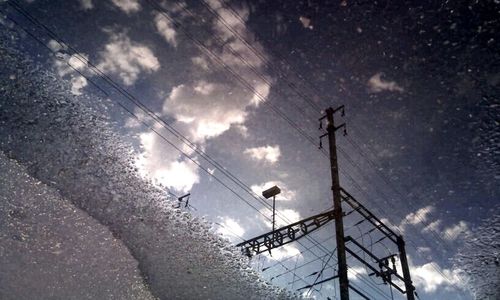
(272, 192)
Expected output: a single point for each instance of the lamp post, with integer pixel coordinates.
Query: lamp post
(272, 192)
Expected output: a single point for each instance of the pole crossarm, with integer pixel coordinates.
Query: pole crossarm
(285, 235)
(379, 266)
(385, 271)
(362, 210)
(379, 261)
(375, 271)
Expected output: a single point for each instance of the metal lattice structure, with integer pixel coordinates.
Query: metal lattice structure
(285, 235)
(381, 267)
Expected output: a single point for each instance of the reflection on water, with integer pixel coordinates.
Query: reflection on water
(68, 146)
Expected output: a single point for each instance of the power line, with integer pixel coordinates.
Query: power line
(187, 155)
(358, 275)
(384, 178)
(132, 98)
(321, 271)
(139, 119)
(242, 81)
(124, 93)
(145, 124)
(279, 262)
(155, 117)
(315, 244)
(260, 55)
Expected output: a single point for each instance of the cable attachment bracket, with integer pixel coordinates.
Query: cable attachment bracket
(343, 125)
(321, 122)
(341, 109)
(320, 140)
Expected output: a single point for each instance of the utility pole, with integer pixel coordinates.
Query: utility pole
(380, 267)
(406, 270)
(385, 271)
(274, 213)
(337, 206)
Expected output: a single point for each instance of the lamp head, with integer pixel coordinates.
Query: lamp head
(271, 192)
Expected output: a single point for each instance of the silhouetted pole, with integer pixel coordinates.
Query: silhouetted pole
(406, 270)
(274, 212)
(337, 206)
(272, 192)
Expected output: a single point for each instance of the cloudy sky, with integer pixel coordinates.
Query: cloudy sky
(226, 97)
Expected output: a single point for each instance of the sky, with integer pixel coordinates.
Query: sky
(240, 86)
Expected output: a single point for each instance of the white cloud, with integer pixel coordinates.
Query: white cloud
(377, 84)
(265, 153)
(158, 162)
(56, 46)
(422, 215)
(285, 195)
(356, 272)
(128, 6)
(166, 29)
(179, 175)
(79, 61)
(453, 232)
(201, 62)
(261, 92)
(419, 216)
(245, 60)
(230, 228)
(242, 130)
(433, 226)
(86, 4)
(431, 277)
(282, 252)
(208, 103)
(390, 225)
(423, 250)
(133, 122)
(290, 215)
(284, 216)
(66, 64)
(126, 58)
(77, 84)
(208, 109)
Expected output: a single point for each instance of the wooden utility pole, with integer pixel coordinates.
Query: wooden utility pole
(380, 267)
(410, 294)
(337, 206)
